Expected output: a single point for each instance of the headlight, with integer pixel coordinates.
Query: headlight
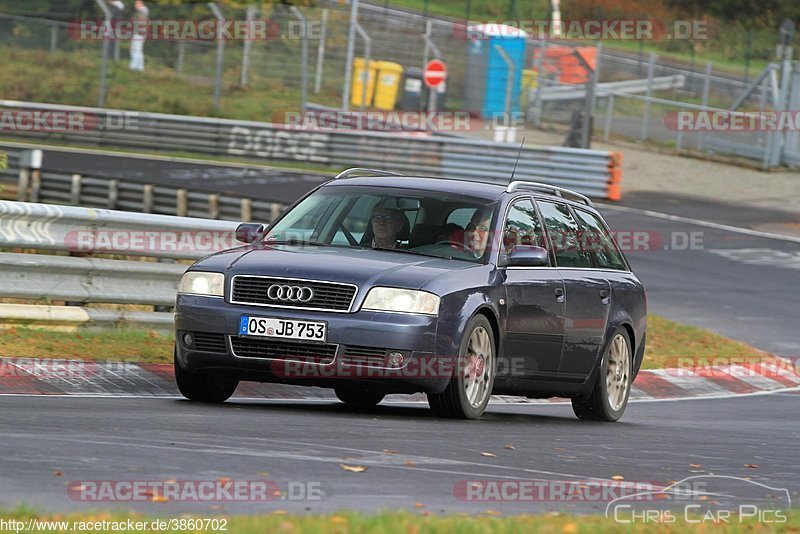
(401, 300)
(197, 283)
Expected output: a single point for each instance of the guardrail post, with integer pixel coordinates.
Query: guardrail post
(147, 199)
(36, 185)
(181, 203)
(75, 190)
(23, 184)
(275, 211)
(113, 194)
(213, 206)
(246, 210)
(609, 117)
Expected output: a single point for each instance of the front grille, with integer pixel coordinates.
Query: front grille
(209, 342)
(356, 355)
(247, 347)
(329, 296)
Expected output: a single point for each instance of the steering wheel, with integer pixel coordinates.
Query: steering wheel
(449, 243)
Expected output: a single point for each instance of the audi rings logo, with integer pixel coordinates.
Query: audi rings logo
(290, 293)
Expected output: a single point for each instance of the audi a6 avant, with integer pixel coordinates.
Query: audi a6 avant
(375, 283)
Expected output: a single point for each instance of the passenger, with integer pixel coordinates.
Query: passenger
(386, 225)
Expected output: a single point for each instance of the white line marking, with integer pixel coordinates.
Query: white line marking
(699, 222)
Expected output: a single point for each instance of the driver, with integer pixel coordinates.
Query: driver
(476, 234)
(386, 224)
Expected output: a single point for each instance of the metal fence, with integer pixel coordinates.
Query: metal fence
(592, 172)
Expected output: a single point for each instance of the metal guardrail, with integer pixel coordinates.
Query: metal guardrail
(77, 279)
(587, 171)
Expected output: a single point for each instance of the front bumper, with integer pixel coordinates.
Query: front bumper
(427, 367)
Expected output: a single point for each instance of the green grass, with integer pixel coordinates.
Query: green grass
(669, 344)
(487, 522)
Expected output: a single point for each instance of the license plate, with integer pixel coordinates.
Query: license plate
(312, 331)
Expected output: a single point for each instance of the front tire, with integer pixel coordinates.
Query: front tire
(200, 387)
(359, 399)
(611, 390)
(470, 387)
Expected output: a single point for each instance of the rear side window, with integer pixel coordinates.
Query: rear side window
(596, 240)
(563, 232)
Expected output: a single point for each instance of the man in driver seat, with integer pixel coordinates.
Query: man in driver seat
(386, 225)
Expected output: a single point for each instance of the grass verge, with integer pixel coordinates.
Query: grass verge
(404, 523)
(669, 344)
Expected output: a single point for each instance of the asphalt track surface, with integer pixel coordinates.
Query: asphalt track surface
(91, 439)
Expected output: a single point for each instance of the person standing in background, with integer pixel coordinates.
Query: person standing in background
(140, 18)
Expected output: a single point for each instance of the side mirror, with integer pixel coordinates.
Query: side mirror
(249, 232)
(528, 256)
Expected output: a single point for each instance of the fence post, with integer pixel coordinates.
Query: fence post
(321, 51)
(248, 44)
(75, 190)
(348, 68)
(107, 28)
(181, 56)
(367, 61)
(646, 116)
(704, 101)
(220, 53)
(537, 99)
(509, 80)
(53, 38)
(303, 58)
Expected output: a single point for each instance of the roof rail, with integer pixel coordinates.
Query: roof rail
(348, 173)
(547, 188)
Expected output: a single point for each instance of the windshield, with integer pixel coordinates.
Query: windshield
(407, 221)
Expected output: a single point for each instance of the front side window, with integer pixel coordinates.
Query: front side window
(403, 220)
(596, 240)
(563, 233)
(522, 227)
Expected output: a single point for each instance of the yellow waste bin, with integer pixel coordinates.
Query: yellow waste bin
(357, 87)
(387, 85)
(529, 81)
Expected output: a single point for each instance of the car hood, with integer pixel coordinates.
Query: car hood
(362, 267)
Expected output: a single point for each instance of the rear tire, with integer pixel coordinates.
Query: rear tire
(201, 387)
(470, 387)
(360, 399)
(611, 390)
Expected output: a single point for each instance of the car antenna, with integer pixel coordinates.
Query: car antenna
(522, 144)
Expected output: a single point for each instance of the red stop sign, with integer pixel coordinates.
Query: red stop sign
(435, 73)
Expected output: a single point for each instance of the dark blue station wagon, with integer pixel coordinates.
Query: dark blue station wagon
(375, 283)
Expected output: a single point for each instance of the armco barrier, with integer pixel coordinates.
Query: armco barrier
(586, 171)
(87, 280)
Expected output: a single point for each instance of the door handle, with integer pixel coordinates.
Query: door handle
(559, 294)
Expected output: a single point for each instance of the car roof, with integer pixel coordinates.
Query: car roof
(489, 191)
(486, 190)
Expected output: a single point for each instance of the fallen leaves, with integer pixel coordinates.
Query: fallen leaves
(390, 451)
(489, 454)
(617, 477)
(353, 468)
(751, 466)
(695, 466)
(409, 463)
(509, 446)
